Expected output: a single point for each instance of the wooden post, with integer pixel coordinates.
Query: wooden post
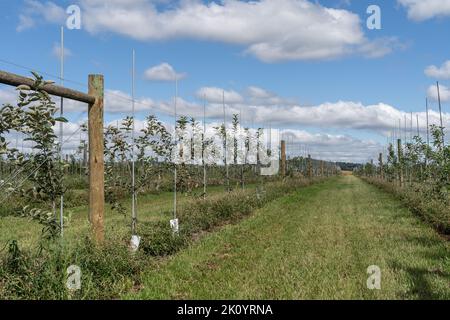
(96, 159)
(400, 161)
(321, 168)
(283, 158)
(310, 172)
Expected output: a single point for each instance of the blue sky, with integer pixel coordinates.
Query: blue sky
(412, 38)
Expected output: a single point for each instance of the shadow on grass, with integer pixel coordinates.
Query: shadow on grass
(421, 278)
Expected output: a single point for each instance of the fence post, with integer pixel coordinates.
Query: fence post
(283, 158)
(96, 159)
(310, 168)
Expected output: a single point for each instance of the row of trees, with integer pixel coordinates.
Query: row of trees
(230, 156)
(416, 163)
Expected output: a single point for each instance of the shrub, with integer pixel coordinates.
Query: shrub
(106, 272)
(421, 200)
(159, 240)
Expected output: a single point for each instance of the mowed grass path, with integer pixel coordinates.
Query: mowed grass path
(313, 244)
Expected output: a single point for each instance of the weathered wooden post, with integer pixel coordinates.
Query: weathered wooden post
(400, 161)
(322, 168)
(96, 159)
(283, 158)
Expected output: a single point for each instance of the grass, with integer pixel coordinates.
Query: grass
(151, 207)
(313, 244)
(109, 271)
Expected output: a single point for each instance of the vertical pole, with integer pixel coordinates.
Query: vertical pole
(440, 112)
(61, 133)
(418, 130)
(225, 143)
(85, 154)
(96, 159)
(203, 146)
(400, 161)
(406, 136)
(418, 136)
(175, 141)
(242, 148)
(283, 158)
(133, 160)
(310, 173)
(428, 134)
(428, 131)
(411, 135)
(380, 160)
(322, 163)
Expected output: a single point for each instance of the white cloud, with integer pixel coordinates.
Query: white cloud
(116, 101)
(331, 147)
(163, 72)
(420, 10)
(380, 47)
(444, 93)
(56, 51)
(216, 95)
(25, 22)
(341, 115)
(442, 72)
(269, 30)
(260, 96)
(35, 10)
(7, 95)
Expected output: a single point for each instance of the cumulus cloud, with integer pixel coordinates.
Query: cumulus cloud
(163, 72)
(331, 147)
(116, 101)
(420, 10)
(442, 72)
(444, 93)
(269, 30)
(259, 96)
(260, 107)
(35, 11)
(25, 22)
(7, 95)
(217, 95)
(342, 115)
(56, 51)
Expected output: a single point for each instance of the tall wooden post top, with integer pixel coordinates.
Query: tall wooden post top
(96, 85)
(283, 158)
